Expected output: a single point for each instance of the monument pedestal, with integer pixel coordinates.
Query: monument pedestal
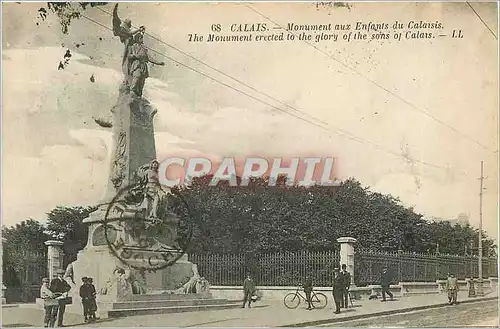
(98, 261)
(136, 284)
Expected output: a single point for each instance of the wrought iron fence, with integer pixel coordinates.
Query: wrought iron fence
(277, 269)
(415, 267)
(289, 269)
(23, 281)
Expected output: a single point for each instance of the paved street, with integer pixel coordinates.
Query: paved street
(473, 314)
(263, 314)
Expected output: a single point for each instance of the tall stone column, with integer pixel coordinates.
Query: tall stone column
(55, 256)
(347, 254)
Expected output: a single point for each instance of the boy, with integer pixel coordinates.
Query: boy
(93, 302)
(87, 293)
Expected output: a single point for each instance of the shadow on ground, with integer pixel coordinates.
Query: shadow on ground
(18, 325)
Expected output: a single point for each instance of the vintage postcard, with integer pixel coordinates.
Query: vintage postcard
(251, 164)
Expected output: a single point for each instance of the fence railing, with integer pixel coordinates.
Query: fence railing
(23, 278)
(277, 269)
(289, 269)
(405, 266)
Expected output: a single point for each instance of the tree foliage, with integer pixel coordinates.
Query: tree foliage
(66, 224)
(66, 11)
(22, 247)
(261, 219)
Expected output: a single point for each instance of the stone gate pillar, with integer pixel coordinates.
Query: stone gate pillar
(55, 255)
(347, 254)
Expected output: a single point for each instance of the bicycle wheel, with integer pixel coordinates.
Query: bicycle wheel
(291, 300)
(318, 300)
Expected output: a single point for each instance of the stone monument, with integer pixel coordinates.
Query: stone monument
(132, 164)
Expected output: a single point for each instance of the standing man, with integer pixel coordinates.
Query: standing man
(472, 290)
(386, 283)
(60, 287)
(446, 287)
(338, 289)
(49, 303)
(452, 288)
(308, 287)
(347, 282)
(248, 290)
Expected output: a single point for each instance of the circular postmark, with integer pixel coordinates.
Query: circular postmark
(148, 229)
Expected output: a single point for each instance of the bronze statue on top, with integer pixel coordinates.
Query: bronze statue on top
(134, 67)
(135, 55)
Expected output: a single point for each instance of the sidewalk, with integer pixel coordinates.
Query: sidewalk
(263, 314)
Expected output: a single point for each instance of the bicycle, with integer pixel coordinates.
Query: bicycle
(292, 300)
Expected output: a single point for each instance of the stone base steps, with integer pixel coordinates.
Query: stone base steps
(164, 297)
(418, 293)
(158, 303)
(169, 309)
(142, 304)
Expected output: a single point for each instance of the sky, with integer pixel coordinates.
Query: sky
(408, 100)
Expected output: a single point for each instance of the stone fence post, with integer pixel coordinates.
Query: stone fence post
(55, 255)
(347, 254)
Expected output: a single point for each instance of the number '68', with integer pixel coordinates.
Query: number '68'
(216, 27)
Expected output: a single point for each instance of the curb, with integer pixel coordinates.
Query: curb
(382, 313)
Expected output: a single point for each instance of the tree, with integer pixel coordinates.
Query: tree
(66, 224)
(66, 11)
(261, 219)
(23, 249)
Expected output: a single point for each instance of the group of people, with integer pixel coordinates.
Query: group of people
(55, 298)
(340, 288)
(88, 295)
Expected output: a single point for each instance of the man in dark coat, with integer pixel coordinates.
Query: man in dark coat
(88, 293)
(347, 283)
(248, 290)
(338, 289)
(85, 295)
(93, 302)
(59, 287)
(385, 283)
(308, 288)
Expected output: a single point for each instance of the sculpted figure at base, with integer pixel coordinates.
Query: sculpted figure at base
(118, 284)
(152, 190)
(69, 275)
(195, 285)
